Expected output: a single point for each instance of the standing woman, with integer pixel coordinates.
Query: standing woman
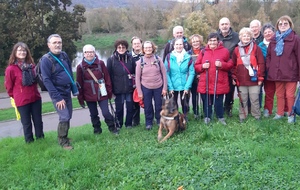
(283, 65)
(20, 85)
(196, 40)
(121, 68)
(216, 58)
(247, 60)
(89, 90)
(180, 73)
(268, 31)
(151, 82)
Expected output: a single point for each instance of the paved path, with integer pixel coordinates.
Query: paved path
(13, 128)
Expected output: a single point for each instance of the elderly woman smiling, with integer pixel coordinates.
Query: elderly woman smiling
(283, 65)
(248, 72)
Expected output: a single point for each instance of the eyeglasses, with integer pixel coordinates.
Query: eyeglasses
(56, 43)
(121, 47)
(195, 42)
(283, 24)
(90, 52)
(19, 50)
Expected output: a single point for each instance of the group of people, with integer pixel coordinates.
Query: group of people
(256, 57)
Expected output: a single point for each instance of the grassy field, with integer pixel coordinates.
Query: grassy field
(104, 41)
(2, 88)
(252, 155)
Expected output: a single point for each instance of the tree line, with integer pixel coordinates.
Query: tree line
(32, 21)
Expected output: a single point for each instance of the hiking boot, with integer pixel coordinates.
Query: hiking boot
(228, 111)
(148, 127)
(291, 119)
(277, 116)
(222, 121)
(128, 127)
(97, 131)
(67, 147)
(206, 120)
(266, 113)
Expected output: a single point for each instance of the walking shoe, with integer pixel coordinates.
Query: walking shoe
(128, 127)
(222, 121)
(291, 119)
(206, 120)
(286, 113)
(277, 116)
(266, 113)
(67, 147)
(149, 127)
(196, 116)
(242, 120)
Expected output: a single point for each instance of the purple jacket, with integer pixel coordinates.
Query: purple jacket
(287, 66)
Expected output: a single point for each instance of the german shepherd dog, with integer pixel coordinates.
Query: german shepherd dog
(171, 120)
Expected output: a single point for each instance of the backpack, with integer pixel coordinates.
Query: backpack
(37, 69)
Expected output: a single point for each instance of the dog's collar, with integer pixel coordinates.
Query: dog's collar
(168, 118)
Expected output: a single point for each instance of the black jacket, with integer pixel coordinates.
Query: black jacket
(230, 41)
(121, 81)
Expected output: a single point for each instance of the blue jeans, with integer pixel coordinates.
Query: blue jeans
(218, 105)
(32, 110)
(119, 101)
(150, 94)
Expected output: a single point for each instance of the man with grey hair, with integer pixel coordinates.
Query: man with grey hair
(230, 40)
(178, 32)
(58, 82)
(255, 27)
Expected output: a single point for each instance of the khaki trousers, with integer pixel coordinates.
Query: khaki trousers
(253, 92)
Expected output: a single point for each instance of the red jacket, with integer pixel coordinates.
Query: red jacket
(89, 89)
(223, 55)
(287, 66)
(240, 73)
(22, 95)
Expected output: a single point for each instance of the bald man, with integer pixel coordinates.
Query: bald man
(230, 40)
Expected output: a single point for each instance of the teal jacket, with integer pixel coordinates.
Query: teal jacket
(180, 77)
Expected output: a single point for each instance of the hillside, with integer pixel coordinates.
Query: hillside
(89, 4)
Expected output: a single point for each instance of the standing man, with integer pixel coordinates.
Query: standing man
(255, 27)
(136, 53)
(230, 40)
(58, 83)
(177, 33)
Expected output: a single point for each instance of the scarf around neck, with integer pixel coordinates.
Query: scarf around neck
(246, 57)
(179, 56)
(266, 42)
(90, 62)
(279, 41)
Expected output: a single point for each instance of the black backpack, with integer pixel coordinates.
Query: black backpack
(39, 78)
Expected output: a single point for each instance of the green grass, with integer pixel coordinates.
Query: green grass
(104, 41)
(2, 88)
(251, 155)
(9, 113)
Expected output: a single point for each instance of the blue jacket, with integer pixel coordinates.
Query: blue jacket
(55, 78)
(179, 77)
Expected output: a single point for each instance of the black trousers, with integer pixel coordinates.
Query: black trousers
(28, 112)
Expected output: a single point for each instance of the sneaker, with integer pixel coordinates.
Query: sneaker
(222, 121)
(67, 147)
(206, 120)
(148, 127)
(277, 116)
(266, 113)
(291, 119)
